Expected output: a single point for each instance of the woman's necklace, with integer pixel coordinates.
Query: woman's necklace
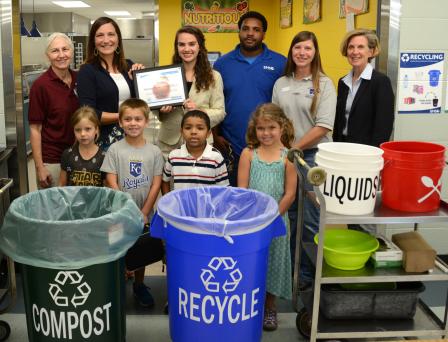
(189, 71)
(189, 75)
(301, 73)
(113, 70)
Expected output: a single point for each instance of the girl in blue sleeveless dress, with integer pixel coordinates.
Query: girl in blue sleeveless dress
(264, 167)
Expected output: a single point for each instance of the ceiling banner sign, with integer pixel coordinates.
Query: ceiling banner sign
(213, 15)
(420, 82)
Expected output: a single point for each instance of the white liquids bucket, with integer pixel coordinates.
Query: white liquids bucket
(353, 174)
(349, 152)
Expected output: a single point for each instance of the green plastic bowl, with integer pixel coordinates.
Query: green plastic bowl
(347, 249)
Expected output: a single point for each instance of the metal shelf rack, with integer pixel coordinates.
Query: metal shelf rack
(425, 322)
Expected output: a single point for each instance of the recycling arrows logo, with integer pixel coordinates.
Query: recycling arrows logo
(223, 265)
(64, 278)
(405, 57)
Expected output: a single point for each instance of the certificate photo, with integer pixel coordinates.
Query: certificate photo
(161, 86)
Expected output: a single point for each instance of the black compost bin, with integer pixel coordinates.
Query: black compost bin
(71, 241)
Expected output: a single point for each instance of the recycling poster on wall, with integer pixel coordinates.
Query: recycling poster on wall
(420, 82)
(446, 98)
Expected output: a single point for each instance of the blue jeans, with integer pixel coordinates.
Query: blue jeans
(310, 222)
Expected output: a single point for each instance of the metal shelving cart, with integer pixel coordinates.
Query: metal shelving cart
(425, 322)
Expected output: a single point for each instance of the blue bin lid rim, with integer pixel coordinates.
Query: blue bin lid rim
(222, 223)
(250, 210)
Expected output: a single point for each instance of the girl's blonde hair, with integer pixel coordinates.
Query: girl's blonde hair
(270, 111)
(85, 112)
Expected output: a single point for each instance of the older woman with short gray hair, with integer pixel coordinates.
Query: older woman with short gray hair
(52, 102)
(365, 104)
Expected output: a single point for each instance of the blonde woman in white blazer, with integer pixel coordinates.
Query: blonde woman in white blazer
(204, 84)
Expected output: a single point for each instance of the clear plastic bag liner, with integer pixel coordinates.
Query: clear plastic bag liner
(70, 227)
(216, 210)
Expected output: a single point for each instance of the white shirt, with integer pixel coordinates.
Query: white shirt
(188, 172)
(353, 89)
(123, 88)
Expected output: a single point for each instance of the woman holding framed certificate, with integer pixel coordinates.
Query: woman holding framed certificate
(204, 87)
(104, 80)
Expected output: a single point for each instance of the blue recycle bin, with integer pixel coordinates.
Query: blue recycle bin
(217, 247)
(434, 77)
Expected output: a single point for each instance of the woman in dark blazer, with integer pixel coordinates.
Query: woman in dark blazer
(104, 80)
(365, 104)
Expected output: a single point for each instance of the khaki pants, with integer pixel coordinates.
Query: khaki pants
(166, 149)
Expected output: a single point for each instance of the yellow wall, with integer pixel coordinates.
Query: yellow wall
(329, 31)
(16, 38)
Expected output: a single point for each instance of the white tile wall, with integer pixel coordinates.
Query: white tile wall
(423, 27)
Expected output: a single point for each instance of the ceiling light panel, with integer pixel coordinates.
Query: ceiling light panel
(118, 13)
(71, 4)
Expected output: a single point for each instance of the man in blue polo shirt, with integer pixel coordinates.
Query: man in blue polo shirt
(249, 73)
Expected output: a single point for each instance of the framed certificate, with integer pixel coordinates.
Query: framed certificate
(161, 86)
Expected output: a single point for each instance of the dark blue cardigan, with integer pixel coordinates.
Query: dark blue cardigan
(97, 89)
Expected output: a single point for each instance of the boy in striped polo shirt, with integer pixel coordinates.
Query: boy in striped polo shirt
(195, 163)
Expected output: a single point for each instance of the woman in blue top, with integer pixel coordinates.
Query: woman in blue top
(105, 79)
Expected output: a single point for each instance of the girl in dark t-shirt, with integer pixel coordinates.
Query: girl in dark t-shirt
(81, 163)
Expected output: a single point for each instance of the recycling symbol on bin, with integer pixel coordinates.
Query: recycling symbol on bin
(224, 265)
(405, 57)
(69, 278)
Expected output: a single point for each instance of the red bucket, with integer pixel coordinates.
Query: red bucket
(412, 175)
